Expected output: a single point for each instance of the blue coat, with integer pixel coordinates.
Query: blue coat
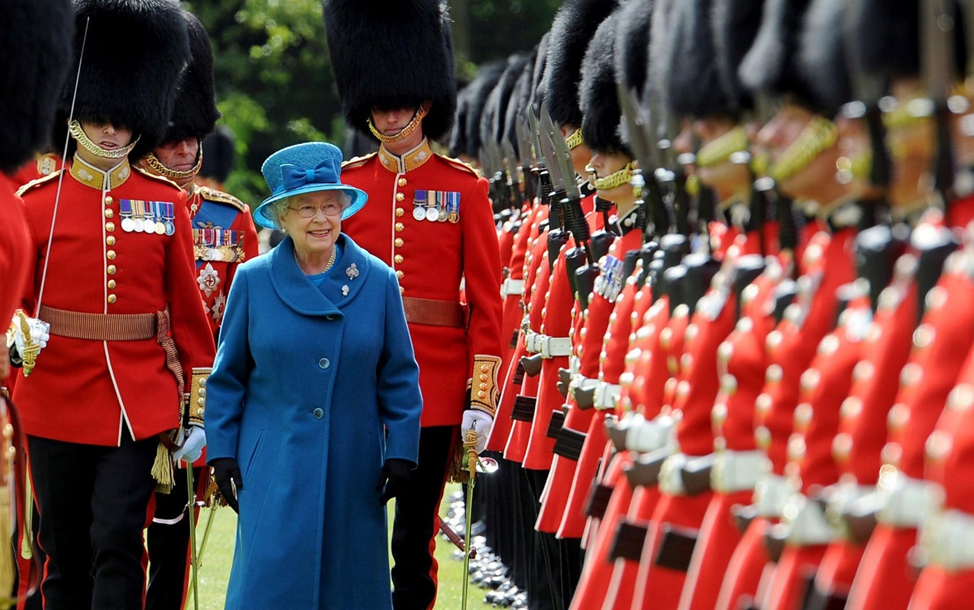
(305, 384)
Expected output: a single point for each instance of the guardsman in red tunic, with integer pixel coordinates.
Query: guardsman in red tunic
(129, 347)
(430, 219)
(223, 237)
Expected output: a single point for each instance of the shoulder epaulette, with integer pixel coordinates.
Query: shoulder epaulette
(156, 177)
(457, 163)
(210, 194)
(38, 181)
(357, 161)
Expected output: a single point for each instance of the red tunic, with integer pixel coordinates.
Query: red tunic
(91, 392)
(431, 259)
(14, 248)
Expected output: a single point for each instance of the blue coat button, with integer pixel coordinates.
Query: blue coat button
(324, 363)
(318, 413)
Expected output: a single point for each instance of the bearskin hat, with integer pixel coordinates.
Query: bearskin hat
(735, 25)
(601, 112)
(632, 50)
(134, 53)
(475, 95)
(194, 112)
(537, 75)
(391, 54)
(823, 55)
(572, 30)
(35, 50)
(695, 88)
(500, 99)
(661, 50)
(517, 108)
(219, 154)
(771, 63)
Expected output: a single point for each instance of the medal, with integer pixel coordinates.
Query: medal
(138, 212)
(453, 207)
(432, 214)
(125, 209)
(168, 213)
(419, 205)
(443, 216)
(148, 226)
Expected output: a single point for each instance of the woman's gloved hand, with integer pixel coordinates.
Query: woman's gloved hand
(226, 473)
(393, 478)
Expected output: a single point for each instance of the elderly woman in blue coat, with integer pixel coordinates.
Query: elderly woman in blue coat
(314, 396)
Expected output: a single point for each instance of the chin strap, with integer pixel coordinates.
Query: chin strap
(406, 131)
(176, 176)
(74, 128)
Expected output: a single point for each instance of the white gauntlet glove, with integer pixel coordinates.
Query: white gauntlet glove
(27, 336)
(480, 422)
(194, 440)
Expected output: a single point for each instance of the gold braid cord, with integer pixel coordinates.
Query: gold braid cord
(615, 179)
(406, 131)
(818, 136)
(160, 168)
(485, 391)
(74, 127)
(722, 148)
(575, 139)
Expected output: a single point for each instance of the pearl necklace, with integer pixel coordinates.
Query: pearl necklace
(331, 260)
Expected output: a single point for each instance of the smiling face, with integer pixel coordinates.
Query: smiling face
(316, 234)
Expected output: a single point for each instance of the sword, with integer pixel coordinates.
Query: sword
(193, 556)
(470, 445)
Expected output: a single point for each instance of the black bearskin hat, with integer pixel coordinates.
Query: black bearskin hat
(661, 51)
(391, 54)
(219, 154)
(695, 86)
(599, 95)
(194, 112)
(823, 55)
(493, 122)
(474, 99)
(537, 76)
(632, 50)
(572, 30)
(886, 37)
(735, 25)
(35, 49)
(771, 64)
(517, 108)
(133, 57)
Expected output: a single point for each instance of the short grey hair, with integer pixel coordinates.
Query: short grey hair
(278, 209)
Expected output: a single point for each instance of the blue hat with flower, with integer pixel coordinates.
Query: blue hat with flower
(305, 168)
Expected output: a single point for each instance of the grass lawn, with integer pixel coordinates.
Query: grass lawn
(215, 569)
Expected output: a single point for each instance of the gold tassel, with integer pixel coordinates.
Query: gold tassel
(162, 470)
(458, 465)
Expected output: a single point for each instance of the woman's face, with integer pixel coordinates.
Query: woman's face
(313, 220)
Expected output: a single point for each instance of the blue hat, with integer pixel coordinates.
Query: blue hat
(305, 168)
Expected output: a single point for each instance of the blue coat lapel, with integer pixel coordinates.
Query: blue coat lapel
(297, 291)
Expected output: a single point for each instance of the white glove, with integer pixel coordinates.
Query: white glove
(38, 330)
(193, 444)
(480, 422)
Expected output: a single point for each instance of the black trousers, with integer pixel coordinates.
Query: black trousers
(415, 527)
(92, 502)
(167, 540)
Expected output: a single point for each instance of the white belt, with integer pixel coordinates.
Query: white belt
(606, 395)
(532, 342)
(671, 475)
(645, 436)
(512, 287)
(574, 364)
(805, 521)
(906, 502)
(737, 470)
(947, 539)
(552, 347)
(842, 497)
(770, 494)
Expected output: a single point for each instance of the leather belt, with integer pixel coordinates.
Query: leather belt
(598, 500)
(432, 312)
(524, 407)
(512, 287)
(569, 444)
(100, 327)
(737, 470)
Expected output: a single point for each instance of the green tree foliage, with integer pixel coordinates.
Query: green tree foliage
(273, 73)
